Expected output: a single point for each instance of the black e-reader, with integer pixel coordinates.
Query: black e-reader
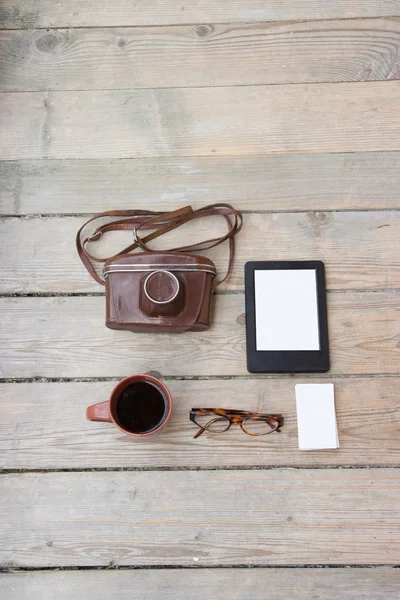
(286, 317)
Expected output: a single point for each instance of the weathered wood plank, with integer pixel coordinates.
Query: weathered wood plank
(201, 121)
(359, 249)
(380, 583)
(66, 337)
(366, 411)
(78, 13)
(202, 55)
(336, 516)
(271, 182)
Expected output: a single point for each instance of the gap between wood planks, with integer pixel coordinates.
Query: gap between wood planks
(29, 216)
(113, 566)
(311, 467)
(219, 293)
(193, 377)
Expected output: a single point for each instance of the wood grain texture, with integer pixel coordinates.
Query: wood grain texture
(360, 250)
(380, 583)
(336, 516)
(56, 435)
(201, 121)
(66, 337)
(200, 55)
(78, 13)
(177, 107)
(361, 180)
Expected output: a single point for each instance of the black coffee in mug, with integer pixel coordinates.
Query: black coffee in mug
(141, 407)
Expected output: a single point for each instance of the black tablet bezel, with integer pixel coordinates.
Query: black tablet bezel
(286, 361)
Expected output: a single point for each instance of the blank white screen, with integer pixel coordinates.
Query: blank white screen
(286, 309)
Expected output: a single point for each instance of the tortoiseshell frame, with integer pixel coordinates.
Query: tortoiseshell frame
(236, 417)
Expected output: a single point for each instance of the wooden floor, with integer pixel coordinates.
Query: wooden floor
(289, 110)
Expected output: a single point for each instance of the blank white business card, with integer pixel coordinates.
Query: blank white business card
(286, 308)
(316, 416)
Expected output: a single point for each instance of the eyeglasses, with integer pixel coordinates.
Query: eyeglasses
(219, 420)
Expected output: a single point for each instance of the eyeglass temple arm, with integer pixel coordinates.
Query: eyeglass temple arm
(203, 429)
(200, 431)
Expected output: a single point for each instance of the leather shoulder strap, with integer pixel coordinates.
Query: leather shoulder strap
(159, 223)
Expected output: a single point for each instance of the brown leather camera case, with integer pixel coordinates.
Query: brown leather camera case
(167, 291)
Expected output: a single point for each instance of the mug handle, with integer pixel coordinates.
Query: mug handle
(99, 412)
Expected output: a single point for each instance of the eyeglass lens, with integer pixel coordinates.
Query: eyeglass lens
(257, 426)
(215, 424)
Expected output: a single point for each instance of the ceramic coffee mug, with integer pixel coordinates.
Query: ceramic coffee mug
(139, 405)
